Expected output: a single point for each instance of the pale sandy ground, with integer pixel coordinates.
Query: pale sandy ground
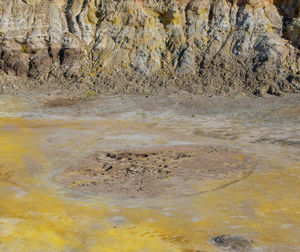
(240, 175)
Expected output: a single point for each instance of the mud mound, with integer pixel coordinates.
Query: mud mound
(153, 172)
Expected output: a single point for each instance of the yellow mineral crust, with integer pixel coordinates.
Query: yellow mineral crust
(36, 216)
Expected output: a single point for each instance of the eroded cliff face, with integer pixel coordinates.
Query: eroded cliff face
(226, 46)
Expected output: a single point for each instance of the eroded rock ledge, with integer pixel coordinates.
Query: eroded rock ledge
(199, 46)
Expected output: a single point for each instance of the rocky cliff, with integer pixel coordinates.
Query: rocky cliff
(223, 46)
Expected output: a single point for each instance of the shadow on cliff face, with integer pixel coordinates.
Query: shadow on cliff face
(240, 3)
(288, 8)
(13, 64)
(290, 11)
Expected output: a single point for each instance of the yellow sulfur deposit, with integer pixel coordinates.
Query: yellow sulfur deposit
(36, 214)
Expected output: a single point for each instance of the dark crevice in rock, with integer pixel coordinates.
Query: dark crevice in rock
(211, 14)
(61, 55)
(289, 10)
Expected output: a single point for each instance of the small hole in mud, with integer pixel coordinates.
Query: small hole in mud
(232, 242)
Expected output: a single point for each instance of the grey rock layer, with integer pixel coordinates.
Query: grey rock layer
(223, 46)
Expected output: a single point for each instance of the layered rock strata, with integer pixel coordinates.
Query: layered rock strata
(222, 46)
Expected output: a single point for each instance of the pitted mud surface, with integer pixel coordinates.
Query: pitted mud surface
(152, 172)
(232, 243)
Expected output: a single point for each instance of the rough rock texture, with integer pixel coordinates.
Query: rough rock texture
(223, 46)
